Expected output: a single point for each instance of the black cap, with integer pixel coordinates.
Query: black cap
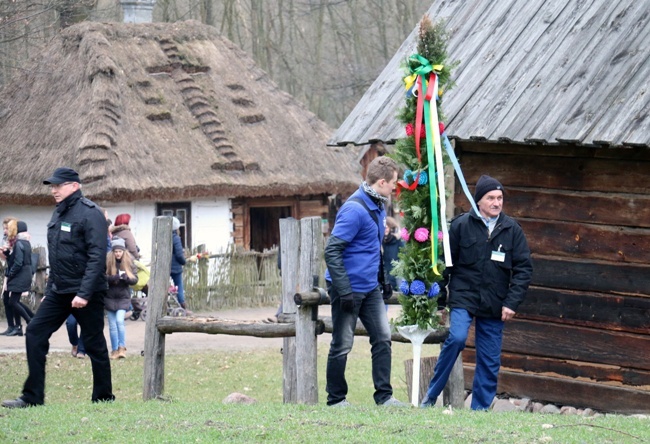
(22, 226)
(484, 185)
(62, 175)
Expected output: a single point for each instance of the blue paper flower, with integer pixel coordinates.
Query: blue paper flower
(417, 287)
(434, 290)
(404, 287)
(424, 178)
(408, 176)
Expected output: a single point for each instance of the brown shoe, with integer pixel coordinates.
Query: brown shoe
(121, 352)
(114, 354)
(74, 351)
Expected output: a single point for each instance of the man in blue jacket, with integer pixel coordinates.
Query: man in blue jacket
(353, 255)
(488, 280)
(76, 242)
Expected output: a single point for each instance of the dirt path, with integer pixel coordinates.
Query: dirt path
(179, 342)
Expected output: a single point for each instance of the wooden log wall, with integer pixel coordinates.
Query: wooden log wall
(582, 335)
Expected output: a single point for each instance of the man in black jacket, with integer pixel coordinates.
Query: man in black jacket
(76, 241)
(487, 282)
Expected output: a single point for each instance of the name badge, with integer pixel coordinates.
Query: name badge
(498, 256)
(65, 226)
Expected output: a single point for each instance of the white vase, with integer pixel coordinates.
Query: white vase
(417, 336)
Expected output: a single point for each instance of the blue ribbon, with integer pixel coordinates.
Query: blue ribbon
(459, 172)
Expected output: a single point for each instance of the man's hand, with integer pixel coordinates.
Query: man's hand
(507, 314)
(78, 302)
(387, 291)
(347, 302)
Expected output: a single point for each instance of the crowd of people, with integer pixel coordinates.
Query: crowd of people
(92, 269)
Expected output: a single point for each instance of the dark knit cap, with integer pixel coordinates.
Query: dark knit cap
(484, 185)
(22, 226)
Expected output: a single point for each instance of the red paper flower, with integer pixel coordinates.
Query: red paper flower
(410, 130)
(441, 127)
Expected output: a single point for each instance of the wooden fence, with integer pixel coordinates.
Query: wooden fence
(301, 249)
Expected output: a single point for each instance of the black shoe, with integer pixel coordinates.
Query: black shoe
(7, 331)
(17, 403)
(17, 331)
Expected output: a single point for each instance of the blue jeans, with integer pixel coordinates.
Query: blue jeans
(369, 308)
(73, 337)
(178, 281)
(116, 328)
(489, 333)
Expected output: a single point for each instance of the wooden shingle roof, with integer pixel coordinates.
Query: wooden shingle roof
(531, 71)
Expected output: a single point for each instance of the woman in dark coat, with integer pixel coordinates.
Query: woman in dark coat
(19, 274)
(122, 273)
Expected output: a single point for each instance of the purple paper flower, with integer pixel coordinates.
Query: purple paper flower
(434, 290)
(404, 287)
(404, 234)
(417, 287)
(440, 236)
(421, 234)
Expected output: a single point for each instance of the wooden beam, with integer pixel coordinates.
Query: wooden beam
(290, 261)
(587, 241)
(596, 373)
(311, 253)
(217, 326)
(565, 391)
(588, 309)
(154, 340)
(601, 276)
(574, 343)
(435, 337)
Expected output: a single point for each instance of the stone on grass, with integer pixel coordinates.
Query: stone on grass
(550, 408)
(503, 405)
(568, 410)
(238, 398)
(537, 407)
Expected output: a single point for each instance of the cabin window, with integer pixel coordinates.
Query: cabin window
(265, 226)
(183, 212)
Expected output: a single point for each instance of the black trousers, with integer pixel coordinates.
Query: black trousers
(19, 309)
(51, 314)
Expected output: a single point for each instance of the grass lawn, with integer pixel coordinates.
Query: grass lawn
(192, 411)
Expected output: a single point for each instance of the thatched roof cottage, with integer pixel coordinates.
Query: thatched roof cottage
(166, 118)
(552, 99)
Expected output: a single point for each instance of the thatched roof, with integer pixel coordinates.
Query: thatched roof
(531, 71)
(162, 111)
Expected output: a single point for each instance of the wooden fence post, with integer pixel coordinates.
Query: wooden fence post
(454, 392)
(41, 274)
(154, 341)
(311, 246)
(290, 255)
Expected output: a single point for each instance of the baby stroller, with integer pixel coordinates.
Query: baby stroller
(173, 307)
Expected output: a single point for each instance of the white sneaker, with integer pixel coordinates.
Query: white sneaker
(392, 402)
(342, 404)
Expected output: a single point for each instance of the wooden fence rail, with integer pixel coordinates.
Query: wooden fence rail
(301, 250)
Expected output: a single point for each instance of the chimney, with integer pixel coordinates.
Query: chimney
(137, 11)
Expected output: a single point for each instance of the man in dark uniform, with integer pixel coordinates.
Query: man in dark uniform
(76, 242)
